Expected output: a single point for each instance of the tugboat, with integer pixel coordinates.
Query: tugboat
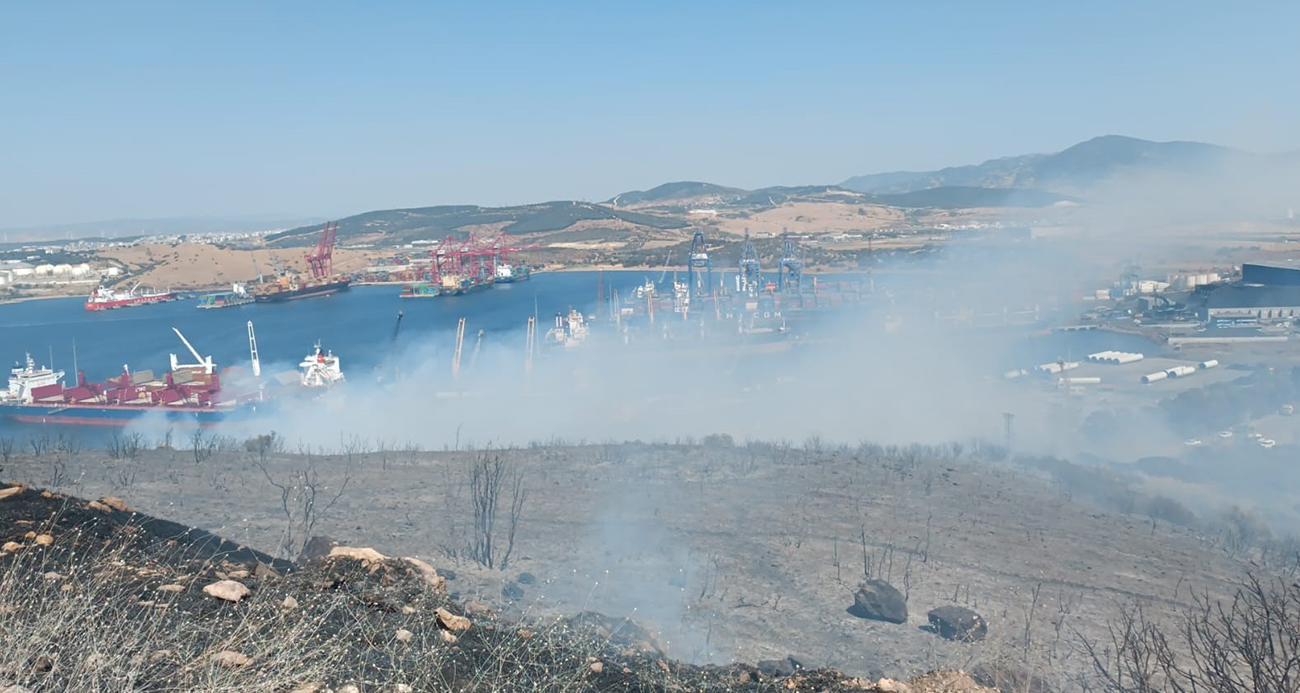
(321, 369)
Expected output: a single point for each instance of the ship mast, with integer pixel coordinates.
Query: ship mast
(252, 348)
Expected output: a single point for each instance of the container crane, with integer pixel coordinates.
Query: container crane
(750, 279)
(699, 269)
(321, 259)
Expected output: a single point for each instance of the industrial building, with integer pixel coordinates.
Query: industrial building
(1260, 302)
(1270, 275)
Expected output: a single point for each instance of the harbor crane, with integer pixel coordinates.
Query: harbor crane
(790, 267)
(321, 259)
(750, 279)
(699, 269)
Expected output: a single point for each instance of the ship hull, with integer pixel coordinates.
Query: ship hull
(303, 292)
(92, 415)
(129, 302)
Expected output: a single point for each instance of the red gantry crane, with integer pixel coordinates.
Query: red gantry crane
(321, 259)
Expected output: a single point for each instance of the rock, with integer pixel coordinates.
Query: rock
(880, 601)
(15, 689)
(447, 637)
(947, 682)
(263, 571)
(427, 574)
(786, 666)
(289, 603)
(451, 621)
(316, 547)
(43, 664)
(404, 635)
(526, 579)
(96, 505)
(892, 686)
(53, 576)
(776, 667)
(512, 592)
(171, 588)
(309, 687)
(402, 688)
(116, 503)
(44, 540)
(29, 535)
(367, 555)
(597, 667)
(11, 491)
(10, 546)
(408, 609)
(350, 688)
(238, 574)
(958, 623)
(525, 634)
(230, 659)
(228, 590)
(478, 609)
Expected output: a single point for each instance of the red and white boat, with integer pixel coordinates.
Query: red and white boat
(103, 298)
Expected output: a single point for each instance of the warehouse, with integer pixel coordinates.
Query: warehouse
(1270, 275)
(1252, 301)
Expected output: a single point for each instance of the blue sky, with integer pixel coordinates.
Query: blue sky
(112, 110)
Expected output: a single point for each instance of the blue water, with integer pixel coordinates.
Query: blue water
(357, 324)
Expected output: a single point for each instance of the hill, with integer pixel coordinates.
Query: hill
(1073, 169)
(431, 223)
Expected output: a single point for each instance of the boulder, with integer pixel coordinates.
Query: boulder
(12, 491)
(878, 600)
(44, 540)
(227, 590)
(116, 503)
(403, 635)
(451, 621)
(786, 666)
(958, 623)
(365, 555)
(427, 574)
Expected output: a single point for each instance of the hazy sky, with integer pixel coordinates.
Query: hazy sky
(112, 110)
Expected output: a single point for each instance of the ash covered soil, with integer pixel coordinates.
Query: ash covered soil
(723, 553)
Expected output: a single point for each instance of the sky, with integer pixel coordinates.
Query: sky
(150, 110)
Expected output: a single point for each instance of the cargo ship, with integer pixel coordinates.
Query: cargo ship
(237, 296)
(188, 393)
(322, 282)
(421, 290)
(104, 298)
(457, 284)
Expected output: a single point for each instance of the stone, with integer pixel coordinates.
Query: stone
(159, 656)
(44, 540)
(309, 687)
(10, 546)
(116, 503)
(15, 689)
(451, 621)
(29, 535)
(478, 609)
(365, 555)
(404, 635)
(597, 667)
(892, 686)
(96, 505)
(53, 576)
(402, 688)
(228, 590)
(350, 688)
(237, 574)
(526, 579)
(880, 601)
(427, 574)
(447, 637)
(230, 659)
(11, 491)
(958, 623)
(264, 571)
(289, 603)
(171, 588)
